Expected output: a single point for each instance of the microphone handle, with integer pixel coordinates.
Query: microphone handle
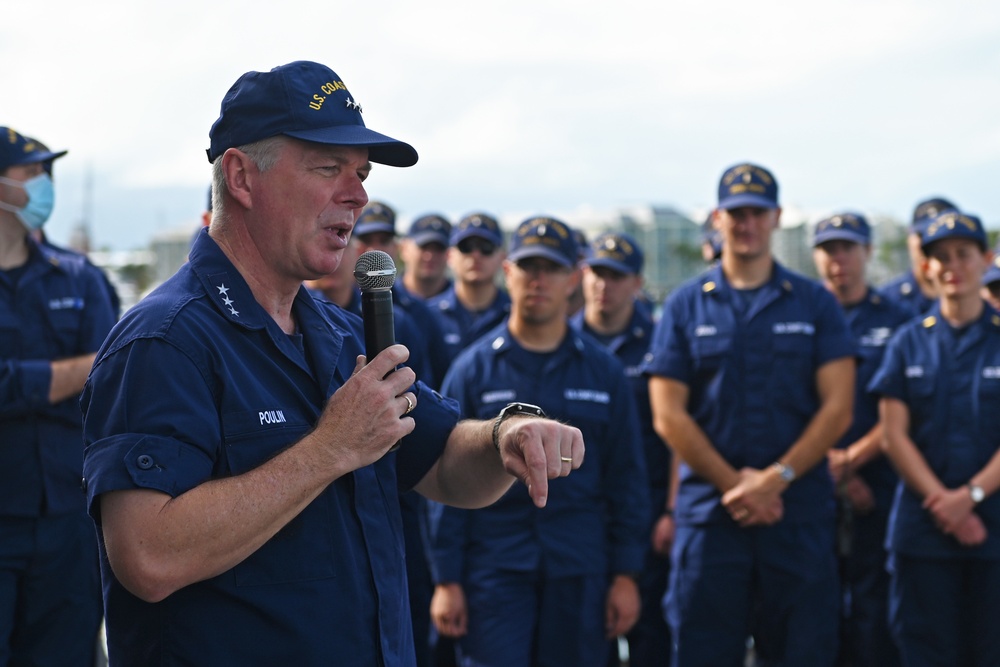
(380, 331)
(376, 311)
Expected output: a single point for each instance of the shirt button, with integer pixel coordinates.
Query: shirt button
(145, 462)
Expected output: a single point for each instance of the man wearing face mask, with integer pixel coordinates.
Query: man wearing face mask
(54, 315)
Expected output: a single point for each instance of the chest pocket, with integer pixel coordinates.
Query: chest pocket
(302, 550)
(64, 324)
(708, 353)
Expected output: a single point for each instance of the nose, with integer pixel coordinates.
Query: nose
(354, 194)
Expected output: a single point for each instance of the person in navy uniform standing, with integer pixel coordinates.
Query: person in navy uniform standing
(424, 251)
(515, 586)
(55, 312)
(912, 289)
(939, 385)
(864, 479)
(237, 458)
(751, 382)
(612, 281)
(474, 303)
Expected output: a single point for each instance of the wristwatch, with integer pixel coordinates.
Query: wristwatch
(976, 493)
(511, 410)
(787, 473)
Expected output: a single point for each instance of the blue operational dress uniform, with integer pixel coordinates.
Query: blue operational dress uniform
(944, 596)
(649, 640)
(864, 580)
(198, 382)
(535, 580)
(751, 372)
(53, 307)
(461, 326)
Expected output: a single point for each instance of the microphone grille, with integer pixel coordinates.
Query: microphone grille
(374, 270)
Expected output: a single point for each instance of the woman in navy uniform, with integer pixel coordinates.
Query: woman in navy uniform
(940, 404)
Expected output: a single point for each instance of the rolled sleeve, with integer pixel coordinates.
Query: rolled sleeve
(180, 442)
(135, 461)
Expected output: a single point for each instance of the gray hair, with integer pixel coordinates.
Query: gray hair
(264, 155)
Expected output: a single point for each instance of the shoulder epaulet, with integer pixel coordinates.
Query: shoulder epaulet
(708, 287)
(929, 321)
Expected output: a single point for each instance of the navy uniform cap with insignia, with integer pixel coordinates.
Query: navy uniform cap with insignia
(851, 227)
(481, 225)
(544, 237)
(748, 185)
(304, 100)
(375, 217)
(430, 228)
(953, 225)
(17, 149)
(926, 211)
(619, 252)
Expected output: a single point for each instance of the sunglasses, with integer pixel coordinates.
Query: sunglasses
(485, 248)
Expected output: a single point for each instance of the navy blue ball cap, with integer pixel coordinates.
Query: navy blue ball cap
(17, 149)
(430, 228)
(953, 225)
(375, 217)
(747, 185)
(851, 227)
(544, 237)
(481, 225)
(619, 252)
(926, 210)
(304, 100)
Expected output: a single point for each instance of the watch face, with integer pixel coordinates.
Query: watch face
(976, 493)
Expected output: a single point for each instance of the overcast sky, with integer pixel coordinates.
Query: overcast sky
(524, 107)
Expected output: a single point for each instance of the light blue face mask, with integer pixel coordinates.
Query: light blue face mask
(41, 199)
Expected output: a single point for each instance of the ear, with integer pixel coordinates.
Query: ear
(777, 218)
(238, 170)
(507, 267)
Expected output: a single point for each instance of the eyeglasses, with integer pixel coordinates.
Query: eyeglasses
(485, 248)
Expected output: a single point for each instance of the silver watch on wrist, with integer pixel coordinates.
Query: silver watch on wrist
(787, 473)
(976, 493)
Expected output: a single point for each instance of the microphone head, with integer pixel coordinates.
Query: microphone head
(374, 271)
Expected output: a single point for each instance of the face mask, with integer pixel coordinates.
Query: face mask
(41, 199)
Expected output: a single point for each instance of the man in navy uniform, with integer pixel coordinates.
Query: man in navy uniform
(612, 281)
(752, 380)
(474, 303)
(237, 444)
(55, 312)
(517, 587)
(864, 479)
(424, 251)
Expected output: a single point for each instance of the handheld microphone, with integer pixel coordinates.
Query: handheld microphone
(375, 274)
